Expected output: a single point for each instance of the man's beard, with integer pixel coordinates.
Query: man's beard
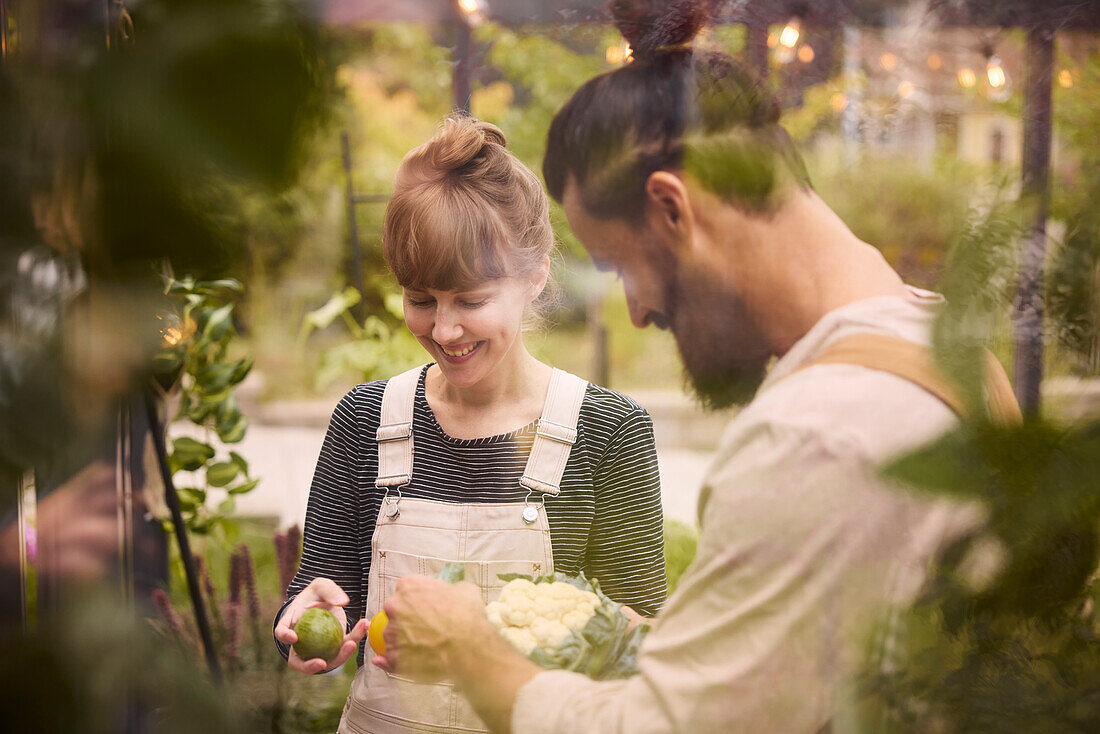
(724, 354)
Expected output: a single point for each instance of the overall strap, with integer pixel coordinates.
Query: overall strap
(913, 362)
(555, 434)
(394, 436)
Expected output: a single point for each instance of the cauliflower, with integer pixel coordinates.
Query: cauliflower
(542, 615)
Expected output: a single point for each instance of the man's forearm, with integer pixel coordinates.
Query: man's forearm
(490, 675)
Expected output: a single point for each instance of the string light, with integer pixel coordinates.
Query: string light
(615, 54)
(906, 89)
(967, 77)
(172, 336)
(773, 39)
(935, 61)
(839, 101)
(806, 54)
(1065, 78)
(888, 61)
(790, 34)
(995, 73)
(469, 7)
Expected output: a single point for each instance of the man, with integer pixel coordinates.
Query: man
(674, 173)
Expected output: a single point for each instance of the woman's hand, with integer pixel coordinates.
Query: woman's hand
(634, 617)
(325, 594)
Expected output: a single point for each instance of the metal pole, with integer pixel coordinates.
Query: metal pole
(1028, 367)
(353, 231)
(173, 500)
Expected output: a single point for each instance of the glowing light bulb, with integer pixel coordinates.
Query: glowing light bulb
(469, 7)
(790, 34)
(906, 89)
(935, 61)
(839, 101)
(806, 54)
(995, 73)
(773, 39)
(1065, 78)
(967, 77)
(888, 61)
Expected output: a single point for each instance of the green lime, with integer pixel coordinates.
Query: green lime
(320, 635)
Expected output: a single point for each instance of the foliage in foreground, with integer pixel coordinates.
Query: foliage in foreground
(267, 695)
(1005, 637)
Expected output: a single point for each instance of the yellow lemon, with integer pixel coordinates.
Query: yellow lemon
(374, 633)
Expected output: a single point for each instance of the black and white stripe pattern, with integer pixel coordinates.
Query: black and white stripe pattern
(607, 521)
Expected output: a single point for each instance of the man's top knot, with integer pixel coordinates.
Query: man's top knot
(657, 28)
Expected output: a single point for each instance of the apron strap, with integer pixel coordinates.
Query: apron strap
(913, 362)
(394, 436)
(555, 434)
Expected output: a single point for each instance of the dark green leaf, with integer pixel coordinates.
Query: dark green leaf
(241, 368)
(235, 432)
(239, 461)
(190, 497)
(222, 473)
(190, 454)
(215, 325)
(215, 377)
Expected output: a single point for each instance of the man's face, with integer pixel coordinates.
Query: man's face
(724, 354)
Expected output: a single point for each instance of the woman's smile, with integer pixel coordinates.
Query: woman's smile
(458, 353)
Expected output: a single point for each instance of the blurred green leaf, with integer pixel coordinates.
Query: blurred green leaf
(233, 432)
(244, 487)
(222, 473)
(336, 305)
(190, 497)
(189, 453)
(215, 324)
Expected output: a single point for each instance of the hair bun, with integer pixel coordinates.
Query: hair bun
(461, 140)
(653, 27)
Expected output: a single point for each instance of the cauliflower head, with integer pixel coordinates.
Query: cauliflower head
(531, 615)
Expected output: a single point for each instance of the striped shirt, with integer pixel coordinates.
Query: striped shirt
(606, 522)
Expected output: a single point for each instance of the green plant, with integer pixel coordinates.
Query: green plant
(376, 349)
(243, 597)
(198, 335)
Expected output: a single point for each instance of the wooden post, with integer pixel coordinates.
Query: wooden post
(756, 46)
(1028, 322)
(353, 231)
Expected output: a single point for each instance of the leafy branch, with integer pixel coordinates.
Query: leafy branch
(198, 335)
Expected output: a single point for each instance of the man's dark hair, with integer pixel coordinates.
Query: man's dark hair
(670, 109)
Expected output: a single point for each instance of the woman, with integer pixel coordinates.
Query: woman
(519, 468)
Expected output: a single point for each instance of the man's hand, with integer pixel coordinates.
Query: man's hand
(438, 630)
(326, 594)
(430, 624)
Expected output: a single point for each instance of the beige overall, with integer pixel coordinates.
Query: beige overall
(415, 536)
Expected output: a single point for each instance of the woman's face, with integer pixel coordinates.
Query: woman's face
(470, 332)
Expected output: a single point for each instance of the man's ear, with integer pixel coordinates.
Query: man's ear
(668, 208)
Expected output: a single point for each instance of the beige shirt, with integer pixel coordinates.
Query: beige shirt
(802, 548)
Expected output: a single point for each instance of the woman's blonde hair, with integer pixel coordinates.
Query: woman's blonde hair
(464, 211)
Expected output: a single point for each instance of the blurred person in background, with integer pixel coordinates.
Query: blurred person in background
(675, 174)
(486, 455)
